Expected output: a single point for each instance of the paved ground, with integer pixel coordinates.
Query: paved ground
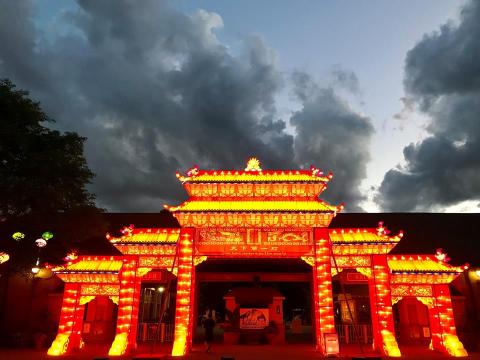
(243, 352)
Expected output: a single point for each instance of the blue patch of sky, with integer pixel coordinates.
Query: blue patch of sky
(369, 37)
(50, 19)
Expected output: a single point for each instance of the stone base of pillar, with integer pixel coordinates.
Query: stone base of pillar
(390, 346)
(64, 344)
(450, 345)
(119, 345)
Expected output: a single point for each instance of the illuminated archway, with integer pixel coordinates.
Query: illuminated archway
(100, 319)
(412, 325)
(254, 214)
(353, 320)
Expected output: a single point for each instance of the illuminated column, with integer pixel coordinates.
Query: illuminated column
(69, 335)
(381, 308)
(128, 302)
(195, 307)
(442, 324)
(322, 286)
(193, 302)
(185, 284)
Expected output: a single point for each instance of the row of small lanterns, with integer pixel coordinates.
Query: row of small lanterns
(41, 242)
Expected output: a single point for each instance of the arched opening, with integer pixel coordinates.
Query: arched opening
(352, 312)
(412, 326)
(99, 322)
(280, 288)
(156, 312)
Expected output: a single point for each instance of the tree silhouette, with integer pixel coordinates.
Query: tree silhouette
(43, 180)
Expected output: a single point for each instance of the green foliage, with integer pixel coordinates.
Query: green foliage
(41, 169)
(43, 179)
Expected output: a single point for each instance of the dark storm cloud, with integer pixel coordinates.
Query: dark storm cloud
(442, 76)
(17, 36)
(331, 134)
(154, 91)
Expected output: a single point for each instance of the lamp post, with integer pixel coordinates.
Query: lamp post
(41, 243)
(36, 267)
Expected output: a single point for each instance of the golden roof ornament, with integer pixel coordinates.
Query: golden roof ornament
(253, 164)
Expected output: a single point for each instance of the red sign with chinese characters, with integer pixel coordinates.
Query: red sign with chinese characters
(253, 242)
(356, 277)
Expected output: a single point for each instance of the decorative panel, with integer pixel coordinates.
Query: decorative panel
(411, 290)
(98, 289)
(156, 262)
(253, 242)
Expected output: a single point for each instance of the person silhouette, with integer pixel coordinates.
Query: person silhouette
(208, 325)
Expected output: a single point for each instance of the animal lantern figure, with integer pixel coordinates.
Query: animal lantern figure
(441, 256)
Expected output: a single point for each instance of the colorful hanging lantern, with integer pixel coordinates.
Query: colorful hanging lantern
(41, 243)
(18, 236)
(47, 235)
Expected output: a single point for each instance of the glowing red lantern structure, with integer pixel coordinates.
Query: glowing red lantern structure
(254, 213)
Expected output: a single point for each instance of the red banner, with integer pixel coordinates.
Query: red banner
(253, 242)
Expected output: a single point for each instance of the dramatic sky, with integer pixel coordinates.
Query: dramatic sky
(386, 94)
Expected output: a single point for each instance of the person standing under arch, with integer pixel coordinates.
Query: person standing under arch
(208, 325)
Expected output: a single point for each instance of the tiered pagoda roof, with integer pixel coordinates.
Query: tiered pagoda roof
(254, 197)
(93, 269)
(362, 235)
(363, 240)
(254, 206)
(154, 241)
(133, 235)
(421, 263)
(428, 269)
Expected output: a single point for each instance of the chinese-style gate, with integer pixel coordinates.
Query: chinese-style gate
(257, 214)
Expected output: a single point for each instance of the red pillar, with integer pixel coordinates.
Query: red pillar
(435, 329)
(381, 308)
(193, 303)
(69, 335)
(185, 297)
(128, 303)
(442, 323)
(195, 308)
(322, 286)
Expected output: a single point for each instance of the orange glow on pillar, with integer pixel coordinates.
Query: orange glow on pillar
(381, 308)
(184, 306)
(442, 324)
(70, 325)
(128, 302)
(322, 282)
